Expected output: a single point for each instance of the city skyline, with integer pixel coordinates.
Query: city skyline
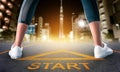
(50, 11)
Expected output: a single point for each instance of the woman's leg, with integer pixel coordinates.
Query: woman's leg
(95, 30)
(26, 13)
(92, 14)
(21, 29)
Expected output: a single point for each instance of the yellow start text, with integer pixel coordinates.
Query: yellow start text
(53, 66)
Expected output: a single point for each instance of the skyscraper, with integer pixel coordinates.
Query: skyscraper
(61, 31)
(39, 27)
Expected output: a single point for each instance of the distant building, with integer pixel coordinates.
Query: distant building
(61, 30)
(47, 27)
(9, 10)
(110, 17)
(39, 26)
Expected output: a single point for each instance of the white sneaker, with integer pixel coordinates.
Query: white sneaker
(101, 52)
(15, 52)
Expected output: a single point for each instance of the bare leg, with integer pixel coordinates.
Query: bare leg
(21, 29)
(26, 13)
(100, 50)
(95, 30)
(92, 14)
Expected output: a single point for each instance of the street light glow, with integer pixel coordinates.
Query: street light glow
(81, 23)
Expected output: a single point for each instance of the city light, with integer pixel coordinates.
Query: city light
(2, 7)
(45, 34)
(5, 27)
(61, 18)
(71, 36)
(4, 1)
(7, 20)
(10, 5)
(82, 23)
(44, 37)
(117, 26)
(8, 12)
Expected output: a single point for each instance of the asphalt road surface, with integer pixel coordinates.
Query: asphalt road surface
(55, 56)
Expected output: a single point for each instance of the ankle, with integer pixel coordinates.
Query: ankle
(15, 44)
(101, 45)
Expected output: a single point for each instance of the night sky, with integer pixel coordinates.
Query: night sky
(50, 10)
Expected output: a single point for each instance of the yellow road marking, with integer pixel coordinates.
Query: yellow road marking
(44, 54)
(78, 54)
(116, 51)
(36, 57)
(58, 65)
(8, 50)
(60, 59)
(4, 52)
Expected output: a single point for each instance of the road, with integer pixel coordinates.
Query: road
(53, 56)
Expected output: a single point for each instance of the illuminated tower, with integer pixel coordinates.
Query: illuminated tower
(61, 34)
